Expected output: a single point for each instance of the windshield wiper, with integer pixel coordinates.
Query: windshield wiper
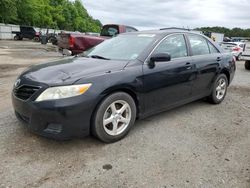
(99, 57)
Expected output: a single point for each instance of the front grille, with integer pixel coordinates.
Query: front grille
(25, 92)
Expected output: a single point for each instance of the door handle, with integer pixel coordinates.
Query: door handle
(218, 59)
(188, 66)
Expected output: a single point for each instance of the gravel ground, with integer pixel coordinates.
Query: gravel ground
(196, 145)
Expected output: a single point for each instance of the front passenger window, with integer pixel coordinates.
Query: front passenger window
(174, 45)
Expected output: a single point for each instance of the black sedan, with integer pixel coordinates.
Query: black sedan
(128, 77)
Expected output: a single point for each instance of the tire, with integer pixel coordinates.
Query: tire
(219, 91)
(110, 109)
(247, 65)
(36, 39)
(54, 42)
(16, 37)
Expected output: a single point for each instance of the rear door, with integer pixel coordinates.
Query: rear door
(206, 58)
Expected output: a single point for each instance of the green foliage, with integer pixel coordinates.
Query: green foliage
(59, 14)
(8, 11)
(235, 32)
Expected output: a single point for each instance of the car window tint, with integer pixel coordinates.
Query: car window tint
(213, 50)
(174, 45)
(198, 45)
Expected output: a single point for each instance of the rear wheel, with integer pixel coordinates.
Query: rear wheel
(114, 117)
(36, 39)
(219, 89)
(247, 65)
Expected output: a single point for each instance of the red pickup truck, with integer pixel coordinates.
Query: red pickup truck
(75, 43)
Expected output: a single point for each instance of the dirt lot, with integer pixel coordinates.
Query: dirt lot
(197, 145)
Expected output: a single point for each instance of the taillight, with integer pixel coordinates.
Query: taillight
(236, 49)
(37, 33)
(71, 41)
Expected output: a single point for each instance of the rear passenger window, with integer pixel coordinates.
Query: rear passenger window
(213, 50)
(198, 44)
(174, 45)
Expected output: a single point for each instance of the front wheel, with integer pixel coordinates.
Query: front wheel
(16, 37)
(247, 65)
(114, 117)
(219, 89)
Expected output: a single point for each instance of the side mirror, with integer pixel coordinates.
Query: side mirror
(159, 57)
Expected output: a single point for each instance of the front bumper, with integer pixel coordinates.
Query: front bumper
(59, 119)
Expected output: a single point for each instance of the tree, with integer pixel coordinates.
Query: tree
(235, 32)
(8, 11)
(58, 14)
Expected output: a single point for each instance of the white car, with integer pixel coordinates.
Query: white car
(235, 47)
(246, 55)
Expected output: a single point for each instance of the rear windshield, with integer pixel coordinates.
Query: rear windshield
(110, 30)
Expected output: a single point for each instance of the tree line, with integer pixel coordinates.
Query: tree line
(235, 32)
(70, 15)
(57, 14)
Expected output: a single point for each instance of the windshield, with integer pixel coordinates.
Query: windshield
(122, 47)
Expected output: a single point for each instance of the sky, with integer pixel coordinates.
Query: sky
(154, 14)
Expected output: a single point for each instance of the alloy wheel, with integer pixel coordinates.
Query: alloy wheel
(117, 117)
(221, 88)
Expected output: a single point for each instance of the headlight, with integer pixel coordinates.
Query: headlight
(62, 92)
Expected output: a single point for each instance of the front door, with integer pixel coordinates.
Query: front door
(168, 83)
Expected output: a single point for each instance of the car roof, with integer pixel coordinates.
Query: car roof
(165, 31)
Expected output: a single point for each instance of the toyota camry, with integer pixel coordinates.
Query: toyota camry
(129, 77)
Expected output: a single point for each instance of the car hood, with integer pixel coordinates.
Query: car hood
(69, 70)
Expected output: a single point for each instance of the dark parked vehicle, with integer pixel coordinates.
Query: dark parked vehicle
(75, 43)
(27, 32)
(128, 77)
(52, 37)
